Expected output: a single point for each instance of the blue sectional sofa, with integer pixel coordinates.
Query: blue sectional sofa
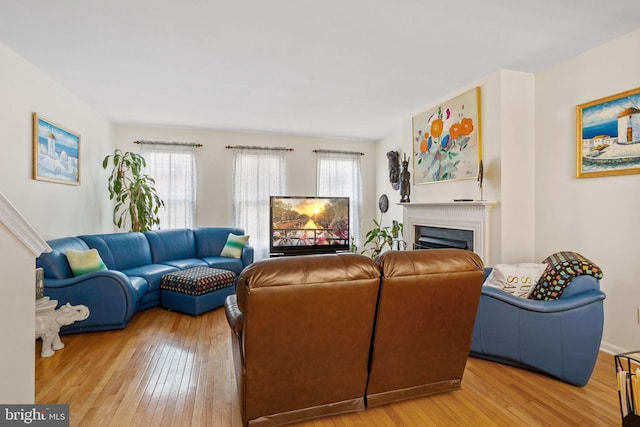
(135, 265)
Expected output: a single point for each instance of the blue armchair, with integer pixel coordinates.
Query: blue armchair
(560, 338)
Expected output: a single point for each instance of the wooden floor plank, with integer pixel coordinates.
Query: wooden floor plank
(172, 369)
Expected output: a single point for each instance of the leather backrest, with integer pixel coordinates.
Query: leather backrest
(428, 303)
(120, 251)
(211, 240)
(171, 244)
(55, 263)
(307, 331)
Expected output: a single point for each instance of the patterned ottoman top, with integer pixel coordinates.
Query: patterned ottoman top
(197, 280)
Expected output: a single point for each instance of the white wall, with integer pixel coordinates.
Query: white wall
(597, 217)
(507, 133)
(55, 210)
(394, 142)
(214, 163)
(18, 326)
(517, 167)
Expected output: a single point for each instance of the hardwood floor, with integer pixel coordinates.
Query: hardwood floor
(171, 369)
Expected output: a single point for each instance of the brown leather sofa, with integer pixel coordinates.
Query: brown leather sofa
(304, 344)
(424, 324)
(301, 336)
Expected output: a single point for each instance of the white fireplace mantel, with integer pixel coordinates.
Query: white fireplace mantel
(471, 215)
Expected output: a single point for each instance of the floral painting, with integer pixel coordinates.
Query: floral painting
(446, 140)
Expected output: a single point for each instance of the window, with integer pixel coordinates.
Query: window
(173, 166)
(339, 175)
(258, 173)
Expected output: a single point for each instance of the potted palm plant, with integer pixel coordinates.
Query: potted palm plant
(136, 199)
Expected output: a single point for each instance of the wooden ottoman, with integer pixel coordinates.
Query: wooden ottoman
(196, 290)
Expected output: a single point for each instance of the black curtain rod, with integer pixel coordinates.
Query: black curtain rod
(188, 144)
(253, 147)
(339, 152)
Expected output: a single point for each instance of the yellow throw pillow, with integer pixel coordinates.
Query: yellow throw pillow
(82, 262)
(233, 247)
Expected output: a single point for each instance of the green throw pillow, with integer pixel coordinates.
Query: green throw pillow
(82, 262)
(234, 245)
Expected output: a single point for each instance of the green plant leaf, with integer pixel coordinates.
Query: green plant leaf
(135, 195)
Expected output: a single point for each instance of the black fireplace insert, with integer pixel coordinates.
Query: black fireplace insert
(427, 237)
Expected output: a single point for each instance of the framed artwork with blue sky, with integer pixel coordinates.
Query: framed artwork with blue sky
(608, 136)
(56, 152)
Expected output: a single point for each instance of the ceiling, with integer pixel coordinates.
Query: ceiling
(333, 68)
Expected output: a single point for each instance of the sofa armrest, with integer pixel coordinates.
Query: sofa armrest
(558, 305)
(234, 316)
(247, 255)
(108, 294)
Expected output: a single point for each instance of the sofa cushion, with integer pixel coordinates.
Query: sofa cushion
(225, 263)
(82, 262)
(185, 263)
(516, 279)
(55, 263)
(211, 240)
(170, 245)
(121, 251)
(233, 247)
(152, 273)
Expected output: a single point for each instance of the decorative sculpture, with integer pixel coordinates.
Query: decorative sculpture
(394, 169)
(48, 325)
(405, 181)
(480, 177)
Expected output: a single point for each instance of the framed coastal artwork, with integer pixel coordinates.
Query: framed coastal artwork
(446, 140)
(608, 136)
(56, 152)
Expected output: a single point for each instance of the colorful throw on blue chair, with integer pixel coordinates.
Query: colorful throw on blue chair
(562, 267)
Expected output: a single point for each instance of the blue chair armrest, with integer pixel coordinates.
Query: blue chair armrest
(559, 305)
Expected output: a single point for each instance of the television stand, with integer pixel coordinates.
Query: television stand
(303, 253)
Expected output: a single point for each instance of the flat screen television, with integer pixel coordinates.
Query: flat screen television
(308, 225)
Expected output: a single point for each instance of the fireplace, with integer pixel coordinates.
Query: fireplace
(436, 238)
(462, 225)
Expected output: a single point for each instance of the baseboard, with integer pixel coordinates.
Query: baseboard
(612, 349)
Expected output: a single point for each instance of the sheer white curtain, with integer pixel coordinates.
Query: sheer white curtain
(257, 174)
(173, 166)
(339, 176)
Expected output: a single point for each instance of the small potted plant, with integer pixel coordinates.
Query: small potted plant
(134, 192)
(379, 237)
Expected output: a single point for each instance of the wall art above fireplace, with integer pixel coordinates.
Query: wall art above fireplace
(446, 140)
